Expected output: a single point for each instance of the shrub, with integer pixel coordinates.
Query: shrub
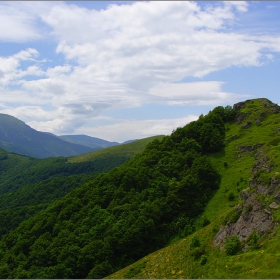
(231, 196)
(235, 216)
(195, 242)
(205, 222)
(198, 252)
(203, 259)
(253, 240)
(232, 245)
(188, 230)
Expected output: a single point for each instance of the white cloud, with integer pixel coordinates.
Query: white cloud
(136, 129)
(196, 93)
(241, 6)
(19, 20)
(9, 66)
(124, 56)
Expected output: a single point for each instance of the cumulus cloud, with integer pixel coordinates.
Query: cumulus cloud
(19, 21)
(9, 66)
(196, 93)
(135, 129)
(123, 56)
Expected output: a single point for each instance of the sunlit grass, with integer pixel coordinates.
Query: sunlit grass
(175, 261)
(128, 150)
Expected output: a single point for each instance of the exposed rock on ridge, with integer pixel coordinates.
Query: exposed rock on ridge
(255, 214)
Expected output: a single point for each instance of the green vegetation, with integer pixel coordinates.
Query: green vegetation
(139, 205)
(258, 256)
(176, 196)
(29, 185)
(232, 245)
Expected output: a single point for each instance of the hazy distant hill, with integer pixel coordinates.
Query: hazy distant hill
(17, 137)
(88, 141)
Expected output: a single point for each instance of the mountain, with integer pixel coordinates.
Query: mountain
(17, 137)
(200, 203)
(237, 235)
(92, 142)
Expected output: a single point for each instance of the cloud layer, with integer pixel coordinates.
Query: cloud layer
(120, 57)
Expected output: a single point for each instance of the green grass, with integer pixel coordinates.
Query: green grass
(128, 150)
(176, 261)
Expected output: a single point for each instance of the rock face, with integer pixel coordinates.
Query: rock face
(254, 217)
(241, 116)
(254, 214)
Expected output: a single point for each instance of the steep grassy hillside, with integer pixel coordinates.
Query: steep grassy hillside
(242, 208)
(208, 194)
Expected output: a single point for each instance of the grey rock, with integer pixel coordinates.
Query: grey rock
(256, 220)
(246, 125)
(274, 205)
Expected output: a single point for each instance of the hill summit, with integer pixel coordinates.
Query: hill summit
(237, 235)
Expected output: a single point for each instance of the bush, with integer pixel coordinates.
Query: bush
(203, 260)
(235, 216)
(195, 242)
(253, 241)
(232, 245)
(231, 196)
(205, 222)
(188, 230)
(198, 252)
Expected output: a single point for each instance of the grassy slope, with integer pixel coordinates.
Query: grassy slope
(127, 150)
(175, 261)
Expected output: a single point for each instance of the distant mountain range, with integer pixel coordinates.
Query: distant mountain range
(88, 141)
(18, 137)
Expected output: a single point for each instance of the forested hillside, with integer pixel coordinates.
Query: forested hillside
(120, 216)
(237, 236)
(200, 203)
(29, 185)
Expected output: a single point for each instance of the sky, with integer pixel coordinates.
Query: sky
(130, 70)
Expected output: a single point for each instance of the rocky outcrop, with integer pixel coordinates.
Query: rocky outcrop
(261, 162)
(270, 108)
(246, 125)
(254, 217)
(254, 214)
(245, 149)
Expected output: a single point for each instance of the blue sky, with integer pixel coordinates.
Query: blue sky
(127, 70)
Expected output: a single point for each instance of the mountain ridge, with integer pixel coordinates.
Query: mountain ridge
(175, 210)
(240, 223)
(85, 140)
(18, 137)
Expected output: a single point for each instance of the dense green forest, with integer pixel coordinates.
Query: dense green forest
(29, 185)
(237, 235)
(118, 217)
